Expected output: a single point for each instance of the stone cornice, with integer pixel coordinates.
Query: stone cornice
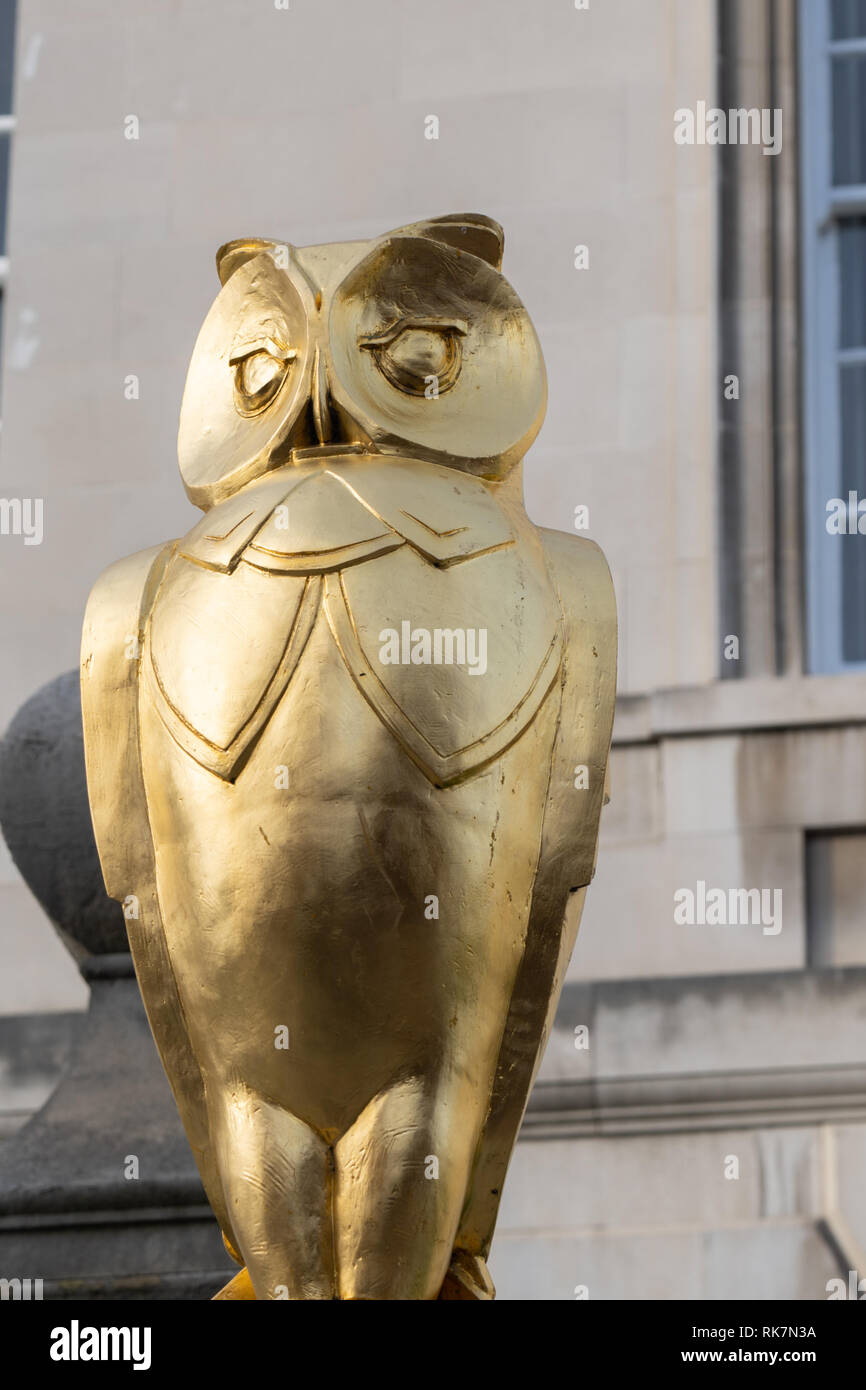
(794, 702)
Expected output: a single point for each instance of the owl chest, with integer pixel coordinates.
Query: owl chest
(324, 750)
(450, 640)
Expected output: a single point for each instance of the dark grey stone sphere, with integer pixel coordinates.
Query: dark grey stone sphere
(45, 817)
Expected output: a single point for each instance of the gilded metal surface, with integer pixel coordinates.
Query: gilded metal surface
(346, 746)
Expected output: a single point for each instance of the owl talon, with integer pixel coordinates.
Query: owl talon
(468, 1279)
(240, 1287)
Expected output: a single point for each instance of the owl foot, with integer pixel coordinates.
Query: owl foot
(240, 1287)
(468, 1278)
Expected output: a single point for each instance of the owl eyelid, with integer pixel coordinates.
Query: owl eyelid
(272, 346)
(249, 399)
(387, 335)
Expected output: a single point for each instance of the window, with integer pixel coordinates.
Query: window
(835, 888)
(833, 144)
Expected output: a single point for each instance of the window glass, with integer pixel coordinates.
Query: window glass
(848, 19)
(7, 54)
(852, 397)
(852, 283)
(849, 119)
(4, 188)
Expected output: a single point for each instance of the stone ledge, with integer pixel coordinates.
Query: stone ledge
(171, 1252)
(686, 1102)
(766, 1049)
(197, 1286)
(737, 706)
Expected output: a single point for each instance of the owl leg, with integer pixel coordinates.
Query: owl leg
(277, 1174)
(401, 1177)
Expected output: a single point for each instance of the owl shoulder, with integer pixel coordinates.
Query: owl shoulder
(114, 619)
(582, 579)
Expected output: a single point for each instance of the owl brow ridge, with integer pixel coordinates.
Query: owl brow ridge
(387, 335)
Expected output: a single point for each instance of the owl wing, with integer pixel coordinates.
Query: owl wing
(566, 864)
(116, 613)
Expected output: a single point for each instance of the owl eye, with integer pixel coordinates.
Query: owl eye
(260, 367)
(412, 351)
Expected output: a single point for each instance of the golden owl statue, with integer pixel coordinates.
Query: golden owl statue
(346, 749)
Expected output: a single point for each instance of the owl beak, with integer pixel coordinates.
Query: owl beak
(320, 399)
(323, 420)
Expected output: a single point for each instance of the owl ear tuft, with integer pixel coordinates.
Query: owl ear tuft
(234, 254)
(467, 231)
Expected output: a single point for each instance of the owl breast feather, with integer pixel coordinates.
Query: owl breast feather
(441, 610)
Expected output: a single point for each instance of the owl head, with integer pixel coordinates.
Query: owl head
(411, 343)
